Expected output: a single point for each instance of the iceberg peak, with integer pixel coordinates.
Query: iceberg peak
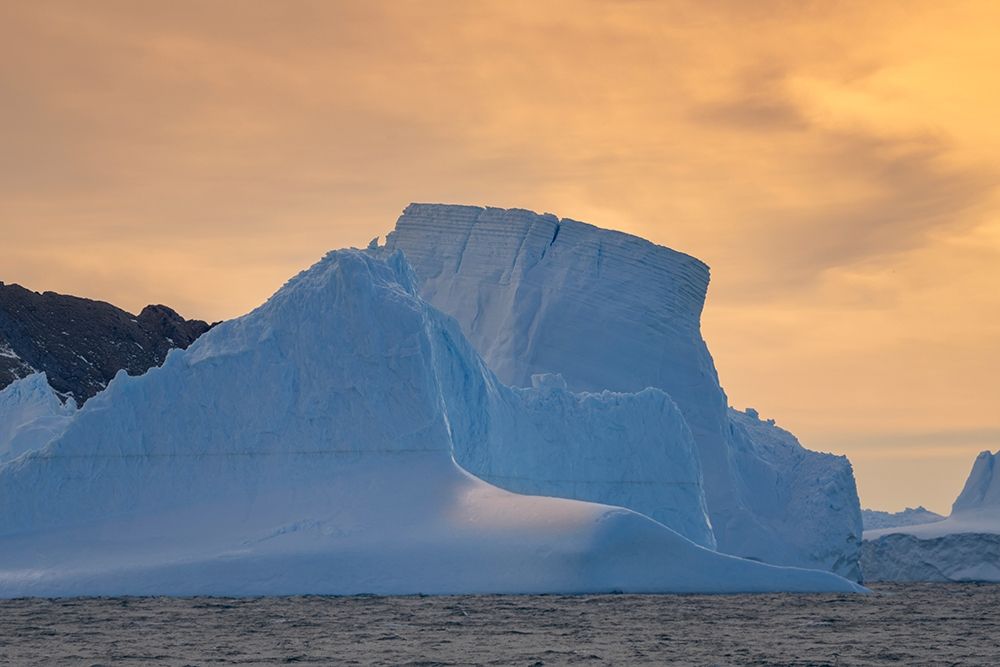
(982, 488)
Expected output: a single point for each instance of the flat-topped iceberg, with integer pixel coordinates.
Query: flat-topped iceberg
(310, 446)
(539, 295)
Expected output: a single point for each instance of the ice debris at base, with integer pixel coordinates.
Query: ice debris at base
(965, 546)
(911, 516)
(307, 447)
(537, 295)
(31, 415)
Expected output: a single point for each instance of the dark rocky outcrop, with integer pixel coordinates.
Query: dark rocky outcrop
(81, 344)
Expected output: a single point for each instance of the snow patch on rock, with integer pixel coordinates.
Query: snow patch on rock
(911, 516)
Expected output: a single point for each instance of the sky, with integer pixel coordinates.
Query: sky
(835, 163)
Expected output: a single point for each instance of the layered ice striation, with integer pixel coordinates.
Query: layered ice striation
(309, 447)
(537, 295)
(31, 415)
(965, 546)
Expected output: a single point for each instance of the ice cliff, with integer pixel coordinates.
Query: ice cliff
(965, 546)
(952, 557)
(806, 502)
(310, 446)
(605, 310)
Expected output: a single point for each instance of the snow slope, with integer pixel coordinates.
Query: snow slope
(308, 448)
(610, 311)
(964, 546)
(911, 516)
(31, 415)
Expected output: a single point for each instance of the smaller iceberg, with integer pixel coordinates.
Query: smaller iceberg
(965, 546)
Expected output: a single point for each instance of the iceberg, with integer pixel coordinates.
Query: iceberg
(31, 415)
(310, 447)
(981, 493)
(537, 295)
(958, 557)
(965, 546)
(876, 519)
(806, 503)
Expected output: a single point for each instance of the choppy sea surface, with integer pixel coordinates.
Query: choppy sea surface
(921, 624)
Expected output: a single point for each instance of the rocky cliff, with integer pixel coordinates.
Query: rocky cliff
(81, 344)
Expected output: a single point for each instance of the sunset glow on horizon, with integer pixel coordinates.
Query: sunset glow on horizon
(834, 163)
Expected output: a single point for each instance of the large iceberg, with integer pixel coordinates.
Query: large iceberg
(309, 446)
(605, 310)
(965, 546)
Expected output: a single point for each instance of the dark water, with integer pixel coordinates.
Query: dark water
(935, 624)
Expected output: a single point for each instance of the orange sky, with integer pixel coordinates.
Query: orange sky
(835, 164)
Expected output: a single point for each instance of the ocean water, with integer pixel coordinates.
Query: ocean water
(912, 624)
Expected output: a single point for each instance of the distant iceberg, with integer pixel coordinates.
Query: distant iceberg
(309, 447)
(911, 516)
(965, 546)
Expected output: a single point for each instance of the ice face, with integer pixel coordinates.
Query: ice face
(31, 415)
(951, 557)
(309, 447)
(608, 311)
(805, 503)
